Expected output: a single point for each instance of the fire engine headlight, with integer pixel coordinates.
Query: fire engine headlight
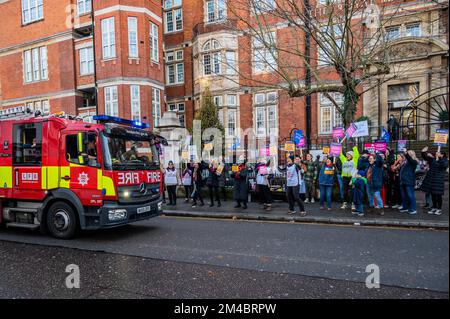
(126, 194)
(117, 214)
(160, 206)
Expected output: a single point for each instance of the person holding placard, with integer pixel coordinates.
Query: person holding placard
(197, 182)
(186, 179)
(171, 180)
(434, 182)
(407, 183)
(293, 187)
(374, 175)
(349, 166)
(240, 177)
(262, 182)
(326, 181)
(213, 184)
(310, 178)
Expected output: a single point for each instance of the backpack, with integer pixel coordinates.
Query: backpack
(205, 174)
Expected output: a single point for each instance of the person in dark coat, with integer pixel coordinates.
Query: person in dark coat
(213, 184)
(374, 175)
(407, 183)
(197, 183)
(240, 185)
(434, 182)
(363, 162)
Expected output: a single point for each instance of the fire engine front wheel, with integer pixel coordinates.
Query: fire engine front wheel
(61, 221)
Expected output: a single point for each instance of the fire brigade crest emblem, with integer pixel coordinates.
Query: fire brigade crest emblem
(83, 179)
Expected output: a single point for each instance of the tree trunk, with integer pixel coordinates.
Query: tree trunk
(349, 108)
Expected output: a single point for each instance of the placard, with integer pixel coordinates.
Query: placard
(235, 168)
(380, 146)
(220, 169)
(185, 155)
(351, 130)
(401, 145)
(370, 147)
(208, 147)
(264, 152)
(362, 129)
(273, 150)
(301, 142)
(338, 132)
(326, 150)
(335, 149)
(441, 137)
(297, 135)
(289, 147)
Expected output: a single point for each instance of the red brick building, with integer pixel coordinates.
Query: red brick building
(145, 57)
(54, 56)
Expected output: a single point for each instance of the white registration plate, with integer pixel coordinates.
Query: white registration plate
(145, 209)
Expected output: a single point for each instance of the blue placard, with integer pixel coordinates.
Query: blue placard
(298, 134)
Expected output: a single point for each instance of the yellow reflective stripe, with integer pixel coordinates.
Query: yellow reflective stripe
(65, 170)
(108, 185)
(80, 142)
(6, 176)
(52, 177)
(44, 177)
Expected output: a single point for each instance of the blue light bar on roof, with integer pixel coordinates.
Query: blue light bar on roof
(118, 120)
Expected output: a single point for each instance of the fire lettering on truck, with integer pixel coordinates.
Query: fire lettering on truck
(128, 178)
(153, 177)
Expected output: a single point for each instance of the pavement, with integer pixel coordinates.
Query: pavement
(392, 217)
(167, 257)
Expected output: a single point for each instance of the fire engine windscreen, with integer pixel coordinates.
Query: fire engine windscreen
(130, 152)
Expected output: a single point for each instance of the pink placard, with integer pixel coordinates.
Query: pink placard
(301, 142)
(338, 132)
(263, 152)
(335, 149)
(351, 130)
(380, 146)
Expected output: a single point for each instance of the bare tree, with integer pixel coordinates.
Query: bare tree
(349, 47)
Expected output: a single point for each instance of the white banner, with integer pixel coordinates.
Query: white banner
(362, 129)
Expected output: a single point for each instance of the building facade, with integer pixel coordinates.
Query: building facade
(83, 57)
(140, 58)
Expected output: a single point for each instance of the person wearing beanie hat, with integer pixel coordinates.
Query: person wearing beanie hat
(293, 187)
(349, 165)
(358, 184)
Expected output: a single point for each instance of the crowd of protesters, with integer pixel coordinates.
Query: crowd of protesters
(360, 181)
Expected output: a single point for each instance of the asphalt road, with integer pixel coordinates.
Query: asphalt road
(176, 257)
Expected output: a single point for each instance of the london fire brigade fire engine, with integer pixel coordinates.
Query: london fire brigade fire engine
(60, 174)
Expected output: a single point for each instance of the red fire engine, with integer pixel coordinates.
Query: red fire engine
(60, 174)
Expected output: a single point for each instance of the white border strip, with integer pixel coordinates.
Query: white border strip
(128, 9)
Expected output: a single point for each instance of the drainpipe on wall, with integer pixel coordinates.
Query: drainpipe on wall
(95, 59)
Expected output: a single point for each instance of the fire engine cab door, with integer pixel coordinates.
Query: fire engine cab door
(27, 161)
(80, 170)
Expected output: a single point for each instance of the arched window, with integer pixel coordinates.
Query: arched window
(212, 57)
(217, 60)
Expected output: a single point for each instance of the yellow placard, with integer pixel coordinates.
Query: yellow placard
(185, 155)
(326, 150)
(220, 169)
(440, 138)
(273, 150)
(289, 147)
(235, 168)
